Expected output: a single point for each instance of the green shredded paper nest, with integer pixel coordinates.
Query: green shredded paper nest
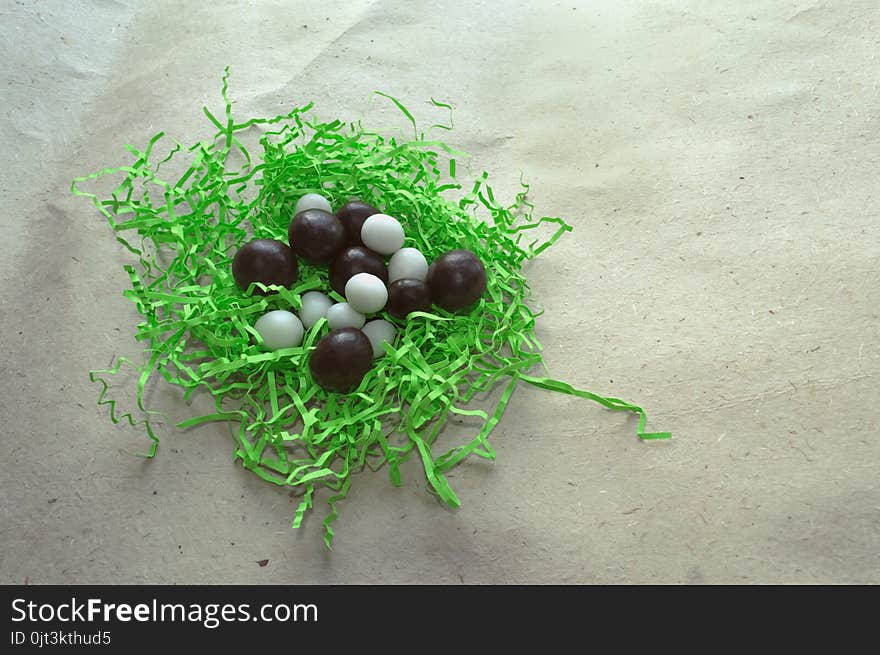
(197, 323)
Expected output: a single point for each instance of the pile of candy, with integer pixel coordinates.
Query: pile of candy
(353, 242)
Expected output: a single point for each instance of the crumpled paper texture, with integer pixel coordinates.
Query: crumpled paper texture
(718, 164)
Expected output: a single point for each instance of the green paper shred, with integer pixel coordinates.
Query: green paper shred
(197, 324)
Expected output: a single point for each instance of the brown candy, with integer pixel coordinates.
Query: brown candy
(457, 279)
(406, 295)
(341, 359)
(354, 260)
(265, 260)
(316, 236)
(352, 216)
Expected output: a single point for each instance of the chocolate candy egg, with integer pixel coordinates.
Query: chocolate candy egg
(379, 332)
(343, 315)
(457, 279)
(316, 236)
(353, 260)
(267, 261)
(341, 359)
(366, 293)
(314, 307)
(352, 216)
(407, 295)
(279, 329)
(312, 201)
(383, 234)
(407, 263)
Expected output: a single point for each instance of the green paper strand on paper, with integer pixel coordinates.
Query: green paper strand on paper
(197, 325)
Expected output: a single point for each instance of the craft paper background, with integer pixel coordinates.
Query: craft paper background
(719, 165)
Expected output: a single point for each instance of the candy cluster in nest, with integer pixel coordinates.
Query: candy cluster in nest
(198, 322)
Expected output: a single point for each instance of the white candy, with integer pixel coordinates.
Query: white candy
(407, 263)
(312, 201)
(378, 332)
(314, 307)
(366, 293)
(342, 315)
(280, 329)
(382, 233)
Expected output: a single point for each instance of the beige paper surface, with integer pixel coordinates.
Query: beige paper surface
(719, 162)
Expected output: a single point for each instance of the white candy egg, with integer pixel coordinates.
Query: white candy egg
(312, 201)
(280, 329)
(366, 293)
(382, 233)
(378, 332)
(342, 315)
(407, 263)
(314, 307)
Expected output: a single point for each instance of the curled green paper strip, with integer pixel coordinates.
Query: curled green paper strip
(197, 323)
